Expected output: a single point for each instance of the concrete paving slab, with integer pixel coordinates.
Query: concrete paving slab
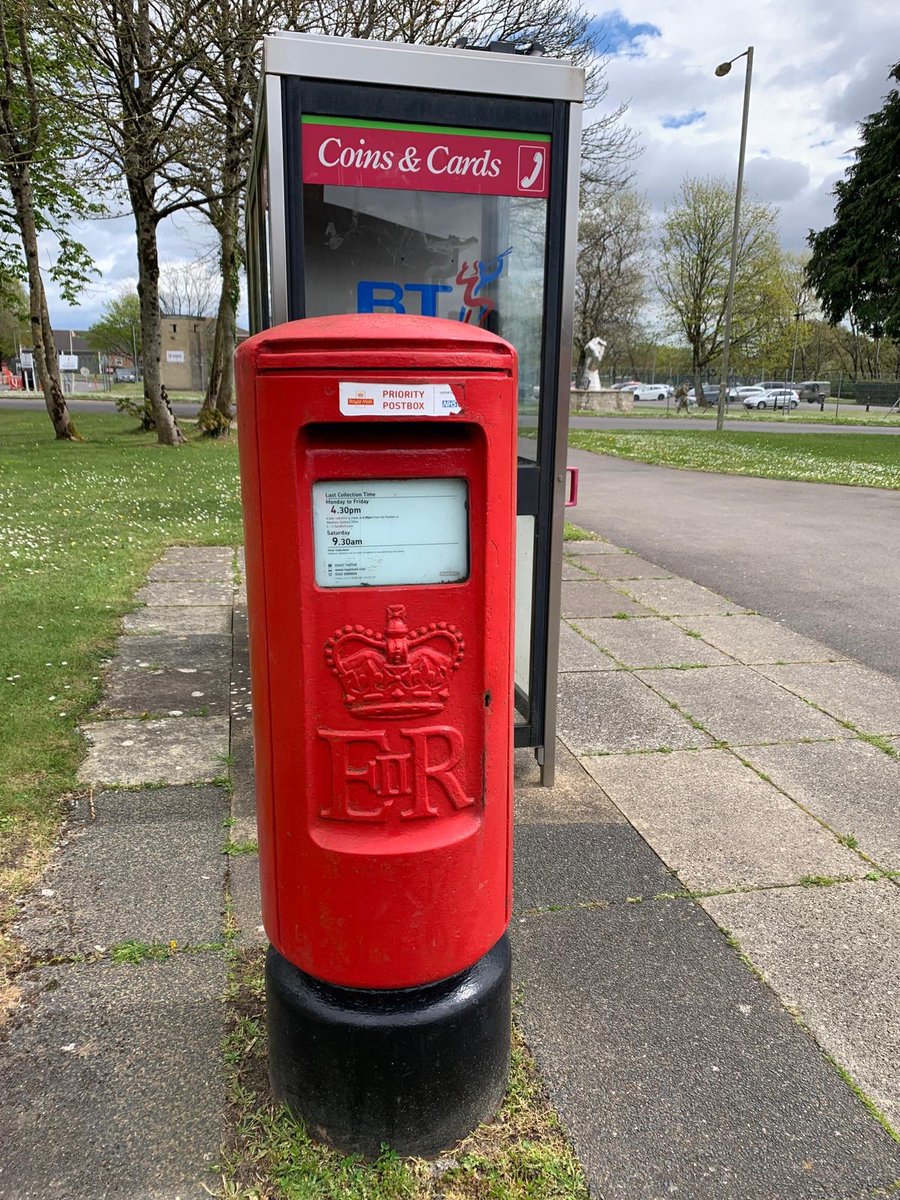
(570, 570)
(187, 593)
(574, 799)
(572, 846)
(737, 705)
(752, 639)
(620, 566)
(243, 779)
(142, 866)
(576, 653)
(717, 824)
(176, 750)
(593, 598)
(243, 882)
(852, 786)
(113, 1086)
(179, 620)
(652, 642)
(676, 1072)
(847, 690)
(560, 865)
(613, 711)
(834, 953)
(198, 554)
(678, 597)
(590, 546)
(185, 572)
(188, 653)
(131, 693)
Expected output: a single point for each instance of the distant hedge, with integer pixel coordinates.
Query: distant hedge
(870, 391)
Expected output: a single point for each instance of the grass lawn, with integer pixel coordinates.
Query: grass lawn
(79, 525)
(800, 416)
(861, 460)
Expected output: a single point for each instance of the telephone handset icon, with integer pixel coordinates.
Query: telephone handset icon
(530, 180)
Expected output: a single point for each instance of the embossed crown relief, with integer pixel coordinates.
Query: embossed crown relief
(395, 674)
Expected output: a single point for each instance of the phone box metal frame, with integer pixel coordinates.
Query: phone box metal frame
(309, 81)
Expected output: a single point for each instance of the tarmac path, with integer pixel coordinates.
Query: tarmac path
(822, 558)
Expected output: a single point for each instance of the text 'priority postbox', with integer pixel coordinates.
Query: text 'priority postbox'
(378, 473)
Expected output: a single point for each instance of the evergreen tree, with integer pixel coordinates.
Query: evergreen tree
(855, 263)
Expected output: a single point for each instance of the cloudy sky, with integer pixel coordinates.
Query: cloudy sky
(820, 66)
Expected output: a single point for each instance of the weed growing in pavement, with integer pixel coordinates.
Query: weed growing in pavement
(521, 1155)
(849, 840)
(234, 848)
(574, 533)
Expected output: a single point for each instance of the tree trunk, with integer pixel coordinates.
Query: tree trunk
(43, 348)
(167, 431)
(216, 414)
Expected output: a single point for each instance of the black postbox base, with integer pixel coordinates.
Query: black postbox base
(415, 1069)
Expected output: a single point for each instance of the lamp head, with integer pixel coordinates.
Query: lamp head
(723, 69)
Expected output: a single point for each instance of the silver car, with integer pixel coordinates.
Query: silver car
(773, 398)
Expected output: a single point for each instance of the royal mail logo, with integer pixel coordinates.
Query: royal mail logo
(361, 400)
(396, 673)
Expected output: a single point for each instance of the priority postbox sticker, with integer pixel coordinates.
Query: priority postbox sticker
(398, 400)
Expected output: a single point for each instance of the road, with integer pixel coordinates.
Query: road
(821, 558)
(79, 404)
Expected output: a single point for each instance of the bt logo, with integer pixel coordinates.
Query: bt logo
(476, 277)
(382, 296)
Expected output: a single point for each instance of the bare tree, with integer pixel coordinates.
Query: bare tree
(610, 269)
(187, 289)
(37, 138)
(145, 56)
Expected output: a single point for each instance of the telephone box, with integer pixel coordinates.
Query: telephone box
(441, 182)
(378, 477)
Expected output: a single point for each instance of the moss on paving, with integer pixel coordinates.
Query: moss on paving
(521, 1155)
(856, 459)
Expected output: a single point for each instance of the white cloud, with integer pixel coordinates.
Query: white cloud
(819, 68)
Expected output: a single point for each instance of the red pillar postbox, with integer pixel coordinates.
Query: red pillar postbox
(378, 473)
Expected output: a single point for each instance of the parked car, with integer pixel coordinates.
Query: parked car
(652, 391)
(627, 386)
(773, 398)
(814, 391)
(125, 375)
(711, 393)
(755, 389)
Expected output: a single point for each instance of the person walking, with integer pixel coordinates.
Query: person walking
(681, 395)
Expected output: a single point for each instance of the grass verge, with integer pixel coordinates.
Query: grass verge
(798, 416)
(859, 460)
(521, 1155)
(79, 525)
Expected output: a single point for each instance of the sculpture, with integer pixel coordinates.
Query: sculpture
(593, 356)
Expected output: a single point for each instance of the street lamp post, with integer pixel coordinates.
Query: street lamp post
(723, 69)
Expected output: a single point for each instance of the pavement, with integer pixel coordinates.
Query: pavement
(819, 557)
(707, 907)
